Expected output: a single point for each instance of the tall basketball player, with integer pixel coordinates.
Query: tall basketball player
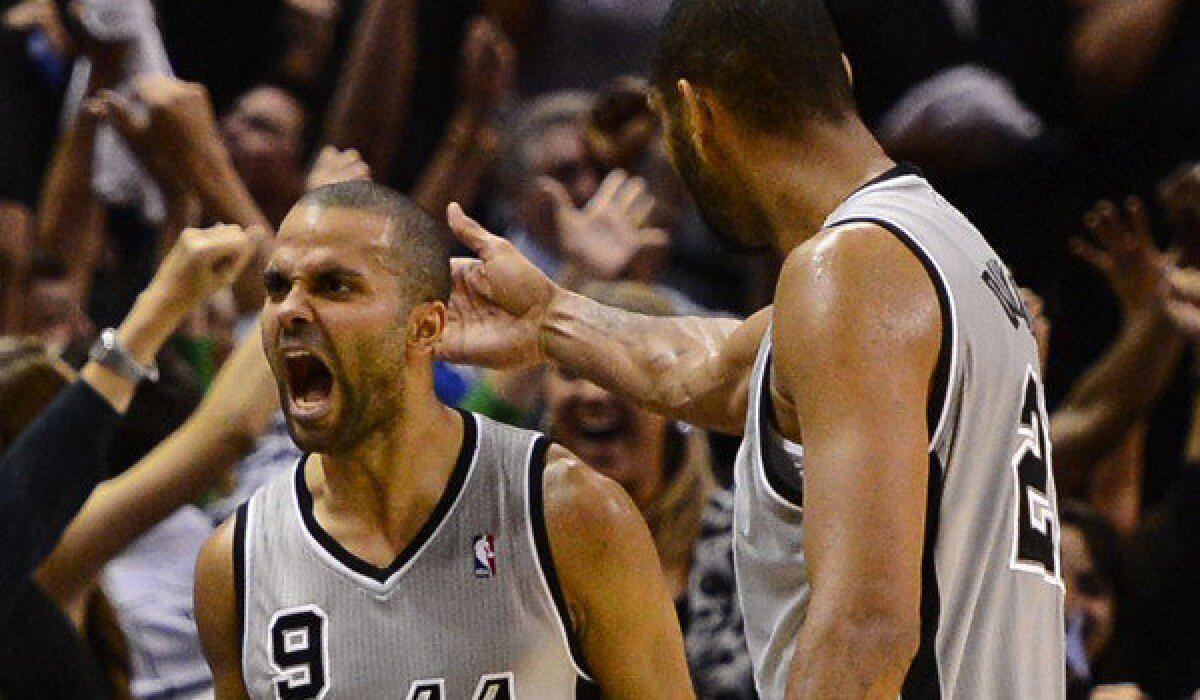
(895, 528)
(416, 552)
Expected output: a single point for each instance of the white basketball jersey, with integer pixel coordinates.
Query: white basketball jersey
(471, 609)
(992, 593)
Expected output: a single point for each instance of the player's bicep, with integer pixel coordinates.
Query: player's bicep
(217, 615)
(621, 606)
(867, 327)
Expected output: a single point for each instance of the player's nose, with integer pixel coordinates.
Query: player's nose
(293, 310)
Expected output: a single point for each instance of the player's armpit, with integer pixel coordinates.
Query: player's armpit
(217, 613)
(608, 567)
(857, 342)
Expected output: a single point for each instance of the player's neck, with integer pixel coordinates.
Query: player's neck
(799, 182)
(393, 479)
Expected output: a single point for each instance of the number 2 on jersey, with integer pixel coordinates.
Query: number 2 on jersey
(1035, 537)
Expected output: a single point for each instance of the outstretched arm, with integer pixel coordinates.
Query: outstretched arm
(504, 312)
(620, 607)
(871, 327)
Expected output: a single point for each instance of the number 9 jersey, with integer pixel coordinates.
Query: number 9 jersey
(992, 592)
(471, 609)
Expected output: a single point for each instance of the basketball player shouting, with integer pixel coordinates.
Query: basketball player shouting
(895, 528)
(416, 552)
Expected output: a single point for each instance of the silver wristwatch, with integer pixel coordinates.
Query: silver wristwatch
(109, 353)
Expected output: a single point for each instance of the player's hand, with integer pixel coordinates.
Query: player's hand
(333, 165)
(498, 303)
(1133, 266)
(605, 237)
(201, 262)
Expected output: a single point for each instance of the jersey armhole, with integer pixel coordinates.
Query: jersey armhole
(938, 408)
(240, 516)
(545, 559)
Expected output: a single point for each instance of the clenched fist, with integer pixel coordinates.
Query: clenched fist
(201, 262)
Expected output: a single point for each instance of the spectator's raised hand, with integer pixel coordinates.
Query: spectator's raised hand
(170, 126)
(1127, 256)
(605, 237)
(1118, 691)
(1040, 322)
(333, 165)
(1179, 194)
(201, 262)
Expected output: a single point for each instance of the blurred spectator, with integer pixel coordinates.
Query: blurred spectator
(1095, 585)
(665, 467)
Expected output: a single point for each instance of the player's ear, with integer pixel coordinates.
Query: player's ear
(849, 69)
(426, 322)
(696, 110)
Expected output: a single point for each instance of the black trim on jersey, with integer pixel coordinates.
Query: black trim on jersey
(923, 679)
(541, 540)
(941, 375)
(897, 170)
(454, 487)
(240, 516)
(778, 466)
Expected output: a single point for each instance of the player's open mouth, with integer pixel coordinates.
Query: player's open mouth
(310, 383)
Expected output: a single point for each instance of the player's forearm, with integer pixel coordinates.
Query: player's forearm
(1114, 394)
(662, 363)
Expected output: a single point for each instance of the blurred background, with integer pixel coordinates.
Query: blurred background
(1068, 131)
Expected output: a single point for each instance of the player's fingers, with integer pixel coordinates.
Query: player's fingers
(470, 232)
(607, 189)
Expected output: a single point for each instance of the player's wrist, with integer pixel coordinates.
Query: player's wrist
(563, 307)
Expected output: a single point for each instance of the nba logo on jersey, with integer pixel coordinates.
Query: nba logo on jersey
(485, 556)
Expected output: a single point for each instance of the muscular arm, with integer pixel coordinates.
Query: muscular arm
(693, 369)
(217, 614)
(504, 312)
(178, 471)
(870, 322)
(609, 570)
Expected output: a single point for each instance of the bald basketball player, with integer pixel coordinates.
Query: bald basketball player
(416, 551)
(895, 528)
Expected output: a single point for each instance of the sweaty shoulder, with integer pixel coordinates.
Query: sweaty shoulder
(585, 510)
(855, 290)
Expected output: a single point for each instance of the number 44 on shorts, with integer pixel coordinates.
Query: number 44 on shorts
(494, 686)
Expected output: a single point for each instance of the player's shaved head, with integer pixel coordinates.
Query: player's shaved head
(419, 245)
(777, 64)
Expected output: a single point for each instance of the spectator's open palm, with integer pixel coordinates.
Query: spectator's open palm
(498, 302)
(1134, 267)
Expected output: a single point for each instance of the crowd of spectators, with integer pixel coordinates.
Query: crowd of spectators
(131, 130)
